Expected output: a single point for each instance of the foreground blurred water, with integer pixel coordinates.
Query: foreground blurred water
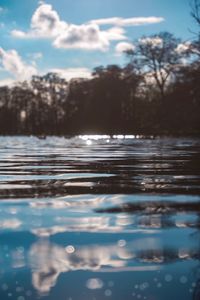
(92, 218)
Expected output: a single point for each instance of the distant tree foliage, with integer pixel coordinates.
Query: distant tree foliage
(157, 92)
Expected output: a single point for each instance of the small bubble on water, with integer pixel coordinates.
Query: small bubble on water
(70, 249)
(121, 243)
(94, 283)
(4, 287)
(89, 142)
(159, 285)
(111, 283)
(168, 277)
(20, 249)
(194, 284)
(108, 293)
(144, 286)
(20, 298)
(28, 293)
(136, 286)
(183, 279)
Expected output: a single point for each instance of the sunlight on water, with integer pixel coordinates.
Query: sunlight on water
(99, 217)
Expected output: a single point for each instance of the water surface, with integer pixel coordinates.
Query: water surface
(99, 218)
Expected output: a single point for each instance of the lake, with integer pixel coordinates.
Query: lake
(95, 217)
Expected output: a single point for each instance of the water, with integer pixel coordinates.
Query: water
(88, 218)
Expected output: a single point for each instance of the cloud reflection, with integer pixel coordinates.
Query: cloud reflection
(10, 224)
(48, 261)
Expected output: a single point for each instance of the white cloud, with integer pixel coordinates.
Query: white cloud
(1, 9)
(10, 224)
(35, 56)
(123, 22)
(153, 42)
(87, 37)
(70, 73)
(13, 63)
(46, 23)
(115, 34)
(123, 46)
(19, 34)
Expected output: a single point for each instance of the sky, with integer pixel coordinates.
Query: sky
(71, 37)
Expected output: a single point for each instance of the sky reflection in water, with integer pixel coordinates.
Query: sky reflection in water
(116, 218)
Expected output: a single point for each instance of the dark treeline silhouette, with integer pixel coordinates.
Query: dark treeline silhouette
(156, 92)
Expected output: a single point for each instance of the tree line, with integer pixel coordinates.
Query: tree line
(156, 92)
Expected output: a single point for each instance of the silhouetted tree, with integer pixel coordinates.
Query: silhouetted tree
(114, 97)
(157, 57)
(195, 12)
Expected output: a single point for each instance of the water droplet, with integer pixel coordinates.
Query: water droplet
(89, 142)
(28, 293)
(94, 283)
(20, 249)
(144, 286)
(183, 279)
(168, 277)
(70, 249)
(20, 298)
(121, 243)
(108, 293)
(194, 284)
(111, 283)
(136, 286)
(4, 287)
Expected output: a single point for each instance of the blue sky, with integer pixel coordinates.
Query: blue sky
(73, 36)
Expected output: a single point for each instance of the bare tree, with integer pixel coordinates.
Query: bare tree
(195, 13)
(157, 57)
(195, 10)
